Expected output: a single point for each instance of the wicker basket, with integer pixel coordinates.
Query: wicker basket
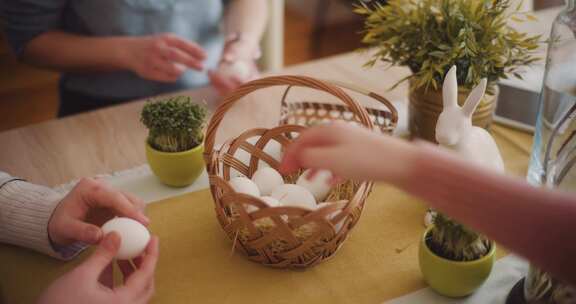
(288, 236)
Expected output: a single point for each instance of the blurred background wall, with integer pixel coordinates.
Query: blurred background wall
(312, 29)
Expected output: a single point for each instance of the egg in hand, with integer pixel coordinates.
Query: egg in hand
(134, 237)
(238, 69)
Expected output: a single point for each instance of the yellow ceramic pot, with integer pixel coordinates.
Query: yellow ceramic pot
(453, 278)
(176, 169)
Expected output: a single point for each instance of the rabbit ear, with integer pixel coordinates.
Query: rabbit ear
(450, 88)
(474, 98)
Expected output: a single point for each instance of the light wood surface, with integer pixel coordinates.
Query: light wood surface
(112, 139)
(196, 264)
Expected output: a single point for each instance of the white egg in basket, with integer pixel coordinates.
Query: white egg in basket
(319, 185)
(267, 179)
(294, 195)
(244, 185)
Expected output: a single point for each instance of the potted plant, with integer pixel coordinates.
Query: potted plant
(454, 260)
(430, 36)
(175, 147)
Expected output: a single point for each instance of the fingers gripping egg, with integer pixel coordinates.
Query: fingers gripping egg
(239, 69)
(134, 237)
(294, 195)
(267, 179)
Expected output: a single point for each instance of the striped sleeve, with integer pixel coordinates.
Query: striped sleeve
(25, 210)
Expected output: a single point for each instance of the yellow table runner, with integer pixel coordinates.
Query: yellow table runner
(378, 262)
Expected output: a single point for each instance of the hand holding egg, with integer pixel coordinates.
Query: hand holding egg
(236, 69)
(134, 237)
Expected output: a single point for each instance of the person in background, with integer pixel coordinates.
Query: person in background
(113, 51)
(38, 218)
(536, 223)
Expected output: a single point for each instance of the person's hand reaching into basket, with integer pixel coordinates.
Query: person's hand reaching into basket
(523, 218)
(347, 151)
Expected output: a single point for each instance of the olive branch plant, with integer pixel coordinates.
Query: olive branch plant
(429, 36)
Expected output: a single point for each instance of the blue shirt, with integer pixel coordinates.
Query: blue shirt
(196, 20)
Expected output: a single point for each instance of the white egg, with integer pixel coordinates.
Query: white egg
(272, 148)
(270, 201)
(267, 179)
(133, 235)
(239, 69)
(294, 195)
(244, 185)
(319, 185)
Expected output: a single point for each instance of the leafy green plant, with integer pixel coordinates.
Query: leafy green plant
(429, 36)
(454, 241)
(175, 124)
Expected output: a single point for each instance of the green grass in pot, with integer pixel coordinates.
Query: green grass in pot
(453, 241)
(454, 260)
(175, 124)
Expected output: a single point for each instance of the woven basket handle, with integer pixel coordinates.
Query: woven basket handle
(301, 81)
(375, 96)
(356, 89)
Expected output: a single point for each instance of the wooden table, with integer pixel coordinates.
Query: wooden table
(382, 248)
(380, 251)
(112, 139)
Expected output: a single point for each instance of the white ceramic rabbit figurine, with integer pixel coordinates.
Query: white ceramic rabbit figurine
(454, 128)
(455, 131)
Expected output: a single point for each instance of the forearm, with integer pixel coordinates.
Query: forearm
(247, 18)
(69, 52)
(534, 222)
(25, 210)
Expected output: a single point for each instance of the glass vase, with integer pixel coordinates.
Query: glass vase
(553, 157)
